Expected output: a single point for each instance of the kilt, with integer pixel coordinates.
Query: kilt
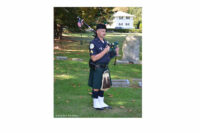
(95, 77)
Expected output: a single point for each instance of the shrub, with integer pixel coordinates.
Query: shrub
(125, 30)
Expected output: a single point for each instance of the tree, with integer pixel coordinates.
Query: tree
(64, 17)
(137, 11)
(67, 17)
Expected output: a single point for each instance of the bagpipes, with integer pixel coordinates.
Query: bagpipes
(112, 46)
(81, 22)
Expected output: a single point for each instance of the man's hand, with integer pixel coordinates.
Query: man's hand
(100, 55)
(107, 49)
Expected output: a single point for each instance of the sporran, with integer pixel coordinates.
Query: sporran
(106, 82)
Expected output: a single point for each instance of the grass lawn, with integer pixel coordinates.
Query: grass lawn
(72, 95)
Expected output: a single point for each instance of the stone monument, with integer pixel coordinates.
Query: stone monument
(131, 49)
(120, 83)
(61, 58)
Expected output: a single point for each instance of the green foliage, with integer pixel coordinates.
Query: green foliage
(67, 17)
(94, 15)
(140, 25)
(137, 11)
(125, 30)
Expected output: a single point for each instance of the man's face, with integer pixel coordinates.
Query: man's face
(101, 33)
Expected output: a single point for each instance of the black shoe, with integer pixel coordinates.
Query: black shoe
(99, 108)
(109, 107)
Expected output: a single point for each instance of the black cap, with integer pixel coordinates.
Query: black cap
(101, 26)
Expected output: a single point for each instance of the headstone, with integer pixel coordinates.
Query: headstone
(140, 84)
(131, 49)
(77, 59)
(137, 81)
(120, 83)
(122, 62)
(61, 58)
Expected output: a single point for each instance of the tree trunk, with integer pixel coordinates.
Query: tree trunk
(60, 32)
(138, 25)
(55, 30)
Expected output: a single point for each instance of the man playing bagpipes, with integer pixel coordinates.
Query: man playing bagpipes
(99, 77)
